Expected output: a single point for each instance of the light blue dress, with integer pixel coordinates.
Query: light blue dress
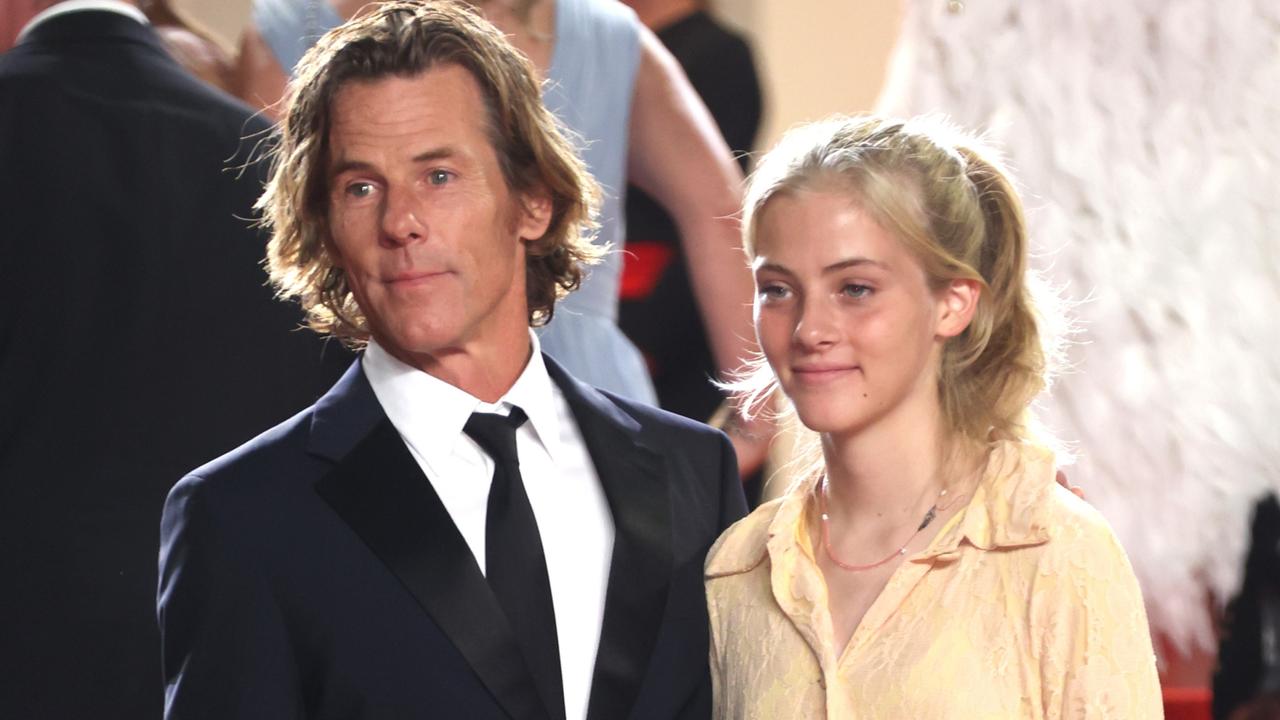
(589, 88)
(291, 27)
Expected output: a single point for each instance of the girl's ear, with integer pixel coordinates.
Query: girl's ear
(956, 304)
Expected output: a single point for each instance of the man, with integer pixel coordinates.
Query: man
(635, 119)
(412, 546)
(137, 339)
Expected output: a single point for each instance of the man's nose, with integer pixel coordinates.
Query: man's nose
(403, 218)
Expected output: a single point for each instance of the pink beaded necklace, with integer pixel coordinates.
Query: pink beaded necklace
(826, 532)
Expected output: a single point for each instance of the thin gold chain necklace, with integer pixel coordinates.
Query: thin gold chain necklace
(826, 532)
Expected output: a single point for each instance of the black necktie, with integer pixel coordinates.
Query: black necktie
(515, 565)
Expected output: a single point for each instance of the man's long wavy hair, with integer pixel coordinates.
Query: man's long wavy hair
(403, 39)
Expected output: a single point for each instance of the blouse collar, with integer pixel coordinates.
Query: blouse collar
(1008, 509)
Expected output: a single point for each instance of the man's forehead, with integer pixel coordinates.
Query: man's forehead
(440, 78)
(411, 114)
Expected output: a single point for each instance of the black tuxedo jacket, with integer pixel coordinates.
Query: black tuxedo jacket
(315, 573)
(137, 340)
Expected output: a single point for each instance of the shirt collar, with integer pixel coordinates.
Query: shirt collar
(70, 6)
(534, 392)
(1009, 507)
(430, 413)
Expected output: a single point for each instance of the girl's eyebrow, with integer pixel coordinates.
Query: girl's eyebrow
(853, 262)
(832, 268)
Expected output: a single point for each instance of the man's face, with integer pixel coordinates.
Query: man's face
(422, 221)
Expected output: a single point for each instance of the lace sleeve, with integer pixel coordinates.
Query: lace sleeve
(1096, 657)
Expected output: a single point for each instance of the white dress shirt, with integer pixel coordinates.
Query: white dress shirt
(564, 491)
(71, 6)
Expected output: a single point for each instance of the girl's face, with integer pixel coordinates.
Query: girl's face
(844, 313)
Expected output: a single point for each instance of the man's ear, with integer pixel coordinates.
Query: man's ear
(957, 302)
(330, 247)
(535, 214)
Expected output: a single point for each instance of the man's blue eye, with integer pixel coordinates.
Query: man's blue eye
(438, 177)
(360, 190)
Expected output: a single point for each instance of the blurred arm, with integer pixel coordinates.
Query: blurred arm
(259, 79)
(678, 157)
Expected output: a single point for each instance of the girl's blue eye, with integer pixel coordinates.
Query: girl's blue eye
(773, 292)
(360, 189)
(855, 290)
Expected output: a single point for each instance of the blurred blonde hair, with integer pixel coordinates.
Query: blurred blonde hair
(950, 201)
(403, 39)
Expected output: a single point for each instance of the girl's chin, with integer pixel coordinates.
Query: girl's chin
(829, 420)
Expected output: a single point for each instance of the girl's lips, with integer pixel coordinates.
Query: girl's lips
(821, 373)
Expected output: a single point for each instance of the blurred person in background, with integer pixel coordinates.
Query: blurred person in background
(610, 80)
(927, 565)
(191, 45)
(1246, 685)
(13, 15)
(130, 293)
(657, 300)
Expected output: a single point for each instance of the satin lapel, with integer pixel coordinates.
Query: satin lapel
(380, 491)
(636, 486)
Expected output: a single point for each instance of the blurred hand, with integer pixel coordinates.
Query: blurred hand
(752, 446)
(1064, 482)
(750, 438)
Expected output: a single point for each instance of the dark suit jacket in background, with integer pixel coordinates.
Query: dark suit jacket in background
(315, 573)
(137, 340)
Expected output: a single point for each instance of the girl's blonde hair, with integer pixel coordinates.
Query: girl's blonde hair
(955, 208)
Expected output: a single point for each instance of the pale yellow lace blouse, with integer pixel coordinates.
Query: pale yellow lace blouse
(1023, 606)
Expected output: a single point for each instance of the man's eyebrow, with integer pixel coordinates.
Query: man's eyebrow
(435, 154)
(348, 166)
(361, 166)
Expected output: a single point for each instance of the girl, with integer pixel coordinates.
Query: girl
(929, 566)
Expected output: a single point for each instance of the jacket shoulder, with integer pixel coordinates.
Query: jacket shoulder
(659, 422)
(277, 453)
(131, 80)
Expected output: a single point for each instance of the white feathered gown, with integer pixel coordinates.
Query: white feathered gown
(1146, 135)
